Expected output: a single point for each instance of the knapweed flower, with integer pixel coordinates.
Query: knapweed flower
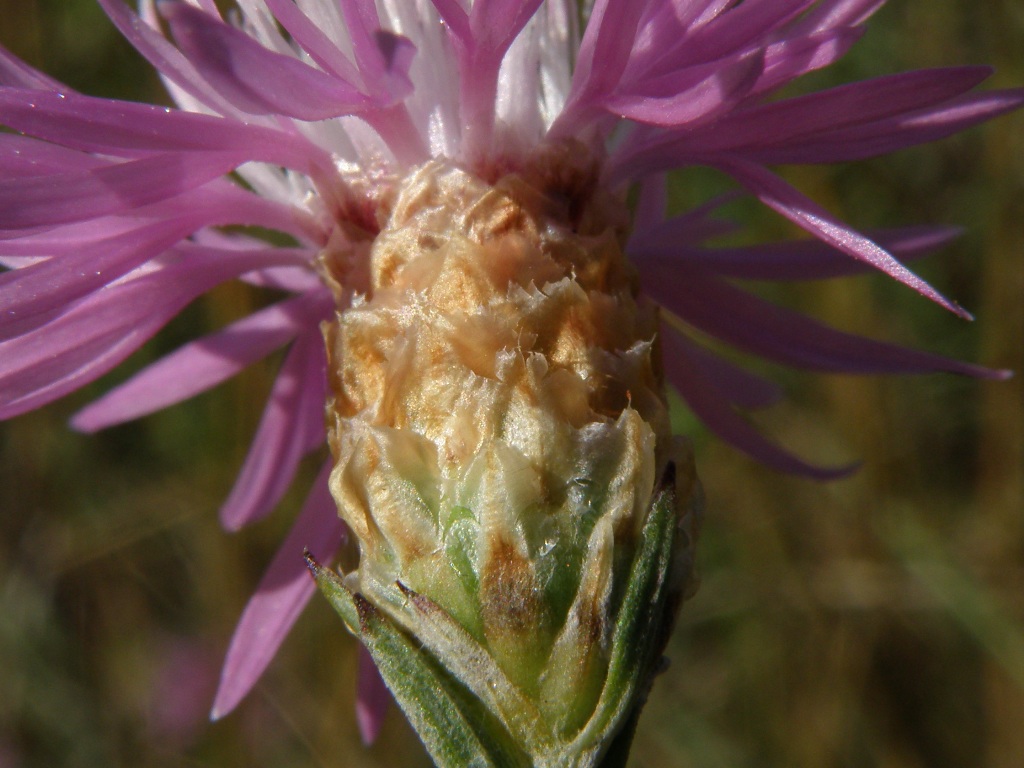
(448, 183)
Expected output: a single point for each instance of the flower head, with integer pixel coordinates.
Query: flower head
(324, 119)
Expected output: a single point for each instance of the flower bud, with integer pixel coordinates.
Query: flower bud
(500, 433)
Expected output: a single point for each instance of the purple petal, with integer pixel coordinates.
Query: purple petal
(372, 699)
(895, 133)
(490, 27)
(707, 403)
(651, 203)
(785, 200)
(227, 203)
(202, 364)
(40, 367)
(67, 238)
(694, 226)
(292, 426)
(280, 596)
(746, 321)
(792, 260)
(740, 387)
(255, 79)
(802, 118)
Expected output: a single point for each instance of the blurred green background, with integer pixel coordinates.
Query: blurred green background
(877, 621)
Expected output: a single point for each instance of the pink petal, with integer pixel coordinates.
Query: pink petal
(497, 23)
(124, 129)
(15, 72)
(292, 426)
(664, 23)
(603, 55)
(280, 596)
(835, 14)
(165, 58)
(695, 226)
(114, 188)
(67, 238)
(21, 156)
(384, 58)
(100, 331)
(290, 279)
(707, 403)
(699, 93)
(312, 39)
(785, 200)
(31, 296)
(257, 80)
(764, 329)
(739, 30)
(203, 364)
(481, 41)
(793, 57)
(372, 699)
(456, 20)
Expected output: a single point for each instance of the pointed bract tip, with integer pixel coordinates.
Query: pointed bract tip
(311, 562)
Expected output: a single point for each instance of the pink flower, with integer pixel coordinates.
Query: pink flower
(113, 214)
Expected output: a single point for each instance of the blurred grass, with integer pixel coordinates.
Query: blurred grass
(877, 621)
